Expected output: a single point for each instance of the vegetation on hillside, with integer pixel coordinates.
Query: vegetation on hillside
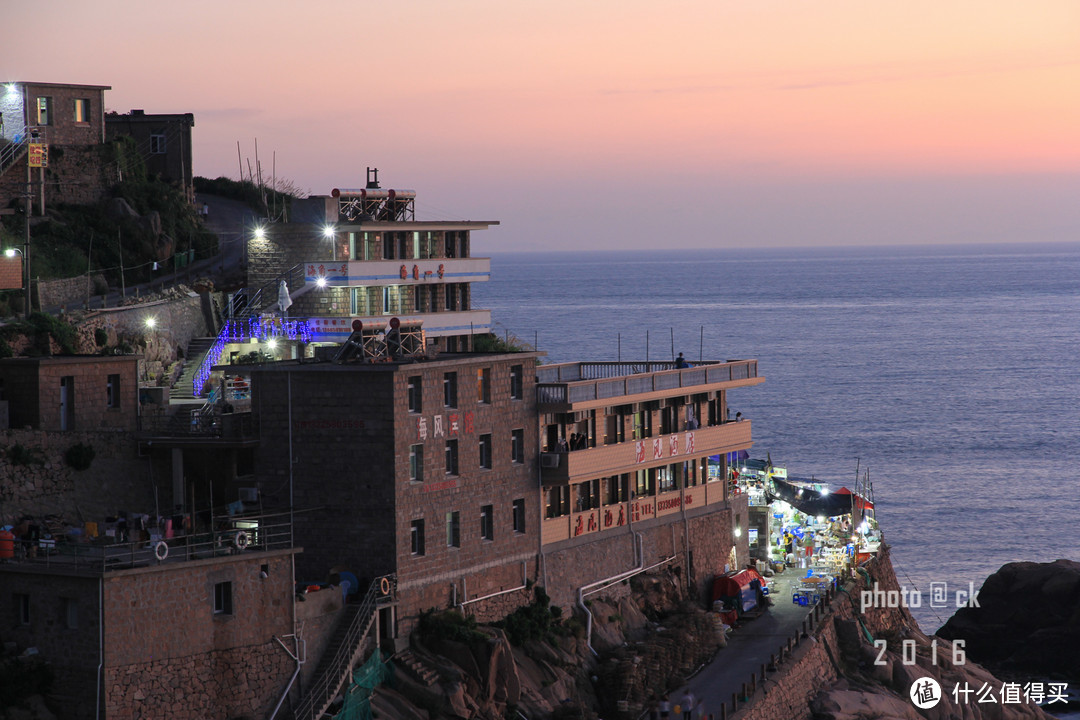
(73, 239)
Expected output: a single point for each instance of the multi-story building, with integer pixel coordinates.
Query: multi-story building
(639, 450)
(60, 116)
(71, 392)
(422, 469)
(361, 255)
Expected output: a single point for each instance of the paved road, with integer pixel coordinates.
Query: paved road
(748, 647)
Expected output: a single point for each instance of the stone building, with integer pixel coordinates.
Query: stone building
(71, 392)
(163, 141)
(421, 469)
(69, 120)
(204, 634)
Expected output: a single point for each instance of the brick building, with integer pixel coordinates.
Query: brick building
(423, 469)
(193, 640)
(69, 120)
(163, 141)
(71, 392)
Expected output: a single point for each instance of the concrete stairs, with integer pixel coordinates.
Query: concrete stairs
(416, 667)
(193, 357)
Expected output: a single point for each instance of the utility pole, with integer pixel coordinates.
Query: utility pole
(26, 240)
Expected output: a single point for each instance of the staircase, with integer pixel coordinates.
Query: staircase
(196, 350)
(343, 652)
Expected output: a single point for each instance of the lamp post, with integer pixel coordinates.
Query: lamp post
(10, 252)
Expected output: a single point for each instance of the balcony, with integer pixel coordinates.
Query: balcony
(355, 273)
(607, 460)
(571, 387)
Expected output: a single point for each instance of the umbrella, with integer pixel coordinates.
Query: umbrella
(283, 300)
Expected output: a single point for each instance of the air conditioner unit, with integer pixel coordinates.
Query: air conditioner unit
(249, 495)
(549, 460)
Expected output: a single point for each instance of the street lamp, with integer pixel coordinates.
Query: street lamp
(10, 252)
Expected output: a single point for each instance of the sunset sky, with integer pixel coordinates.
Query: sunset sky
(602, 124)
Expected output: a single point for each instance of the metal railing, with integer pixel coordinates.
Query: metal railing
(583, 382)
(258, 533)
(326, 686)
(204, 422)
(13, 150)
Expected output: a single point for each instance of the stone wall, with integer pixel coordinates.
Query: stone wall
(116, 479)
(170, 654)
(67, 292)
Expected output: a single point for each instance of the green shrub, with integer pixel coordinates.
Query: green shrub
(538, 620)
(449, 625)
(79, 456)
(19, 454)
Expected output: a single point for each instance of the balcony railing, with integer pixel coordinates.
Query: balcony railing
(585, 382)
(232, 535)
(204, 422)
(607, 460)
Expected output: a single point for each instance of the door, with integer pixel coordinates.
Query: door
(67, 403)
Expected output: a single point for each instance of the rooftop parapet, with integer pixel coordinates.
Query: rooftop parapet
(584, 385)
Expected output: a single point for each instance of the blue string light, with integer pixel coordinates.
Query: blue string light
(258, 329)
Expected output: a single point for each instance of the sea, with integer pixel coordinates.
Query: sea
(949, 374)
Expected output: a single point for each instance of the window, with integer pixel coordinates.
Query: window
(223, 598)
(485, 451)
(22, 608)
(417, 533)
(588, 495)
(113, 391)
(519, 515)
(517, 446)
(416, 463)
(394, 299)
(416, 394)
(483, 385)
(667, 479)
(71, 613)
(515, 382)
(558, 501)
(453, 529)
(451, 457)
(450, 389)
(157, 143)
(82, 110)
(487, 522)
(365, 301)
(451, 297)
(44, 108)
(618, 489)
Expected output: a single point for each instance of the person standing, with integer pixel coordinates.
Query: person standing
(665, 707)
(687, 703)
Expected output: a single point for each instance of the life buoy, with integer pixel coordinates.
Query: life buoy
(415, 272)
(240, 540)
(161, 550)
(384, 586)
(736, 490)
(404, 272)
(440, 270)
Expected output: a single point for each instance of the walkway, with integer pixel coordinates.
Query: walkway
(749, 647)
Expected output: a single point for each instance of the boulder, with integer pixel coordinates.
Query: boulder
(1027, 621)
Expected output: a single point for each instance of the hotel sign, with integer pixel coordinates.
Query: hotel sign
(38, 155)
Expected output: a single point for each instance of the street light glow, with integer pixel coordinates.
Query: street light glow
(260, 233)
(10, 252)
(321, 282)
(328, 231)
(151, 322)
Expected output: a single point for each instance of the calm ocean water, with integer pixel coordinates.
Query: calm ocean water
(949, 372)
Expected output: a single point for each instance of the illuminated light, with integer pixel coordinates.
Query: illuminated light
(10, 252)
(272, 343)
(11, 88)
(260, 233)
(321, 282)
(328, 231)
(824, 492)
(151, 322)
(738, 532)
